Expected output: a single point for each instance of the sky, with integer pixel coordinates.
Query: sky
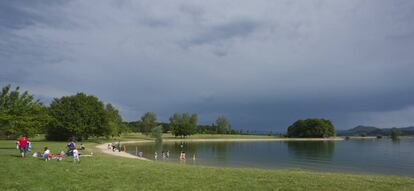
(263, 64)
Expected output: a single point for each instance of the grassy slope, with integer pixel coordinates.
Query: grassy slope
(104, 172)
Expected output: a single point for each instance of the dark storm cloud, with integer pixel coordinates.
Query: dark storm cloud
(262, 63)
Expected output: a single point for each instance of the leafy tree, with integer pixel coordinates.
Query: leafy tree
(21, 114)
(133, 126)
(147, 122)
(395, 133)
(157, 133)
(223, 125)
(79, 116)
(311, 128)
(115, 126)
(183, 124)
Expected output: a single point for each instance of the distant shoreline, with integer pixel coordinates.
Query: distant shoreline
(104, 147)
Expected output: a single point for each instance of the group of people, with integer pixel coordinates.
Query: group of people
(24, 145)
(116, 146)
(164, 154)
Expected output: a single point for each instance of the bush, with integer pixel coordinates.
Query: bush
(311, 128)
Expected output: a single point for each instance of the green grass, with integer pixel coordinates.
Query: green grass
(105, 172)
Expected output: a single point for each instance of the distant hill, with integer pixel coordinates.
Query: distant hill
(373, 131)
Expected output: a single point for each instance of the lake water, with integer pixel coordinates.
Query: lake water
(375, 156)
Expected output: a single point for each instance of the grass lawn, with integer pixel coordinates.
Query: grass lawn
(105, 172)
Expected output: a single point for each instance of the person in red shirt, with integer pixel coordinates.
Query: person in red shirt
(23, 145)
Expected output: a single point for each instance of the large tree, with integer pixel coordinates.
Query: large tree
(308, 128)
(20, 114)
(79, 116)
(222, 125)
(183, 124)
(147, 122)
(115, 125)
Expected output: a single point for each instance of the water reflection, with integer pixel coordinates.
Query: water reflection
(311, 149)
(374, 156)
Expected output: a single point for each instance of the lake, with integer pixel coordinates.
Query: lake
(371, 156)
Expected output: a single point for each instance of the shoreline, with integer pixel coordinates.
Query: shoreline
(104, 147)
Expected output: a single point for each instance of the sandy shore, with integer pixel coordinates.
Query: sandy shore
(104, 147)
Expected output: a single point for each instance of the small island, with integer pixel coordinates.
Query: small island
(311, 128)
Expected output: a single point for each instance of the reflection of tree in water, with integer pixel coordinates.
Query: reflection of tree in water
(311, 149)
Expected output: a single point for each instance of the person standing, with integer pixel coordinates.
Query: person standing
(46, 154)
(23, 143)
(71, 146)
(76, 155)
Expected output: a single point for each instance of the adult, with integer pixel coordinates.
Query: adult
(23, 143)
(71, 146)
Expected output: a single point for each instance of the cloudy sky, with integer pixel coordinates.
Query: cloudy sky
(262, 63)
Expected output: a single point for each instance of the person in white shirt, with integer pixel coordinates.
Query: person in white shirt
(76, 155)
(46, 154)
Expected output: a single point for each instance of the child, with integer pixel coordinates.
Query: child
(46, 154)
(29, 146)
(76, 155)
(156, 156)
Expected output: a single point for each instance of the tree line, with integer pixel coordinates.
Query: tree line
(180, 125)
(82, 116)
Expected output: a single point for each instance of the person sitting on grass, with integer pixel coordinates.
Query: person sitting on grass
(46, 154)
(81, 147)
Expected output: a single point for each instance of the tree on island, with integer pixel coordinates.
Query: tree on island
(147, 122)
(20, 114)
(312, 128)
(81, 116)
(395, 133)
(222, 125)
(183, 124)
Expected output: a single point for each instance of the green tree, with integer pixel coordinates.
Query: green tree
(222, 125)
(183, 124)
(308, 128)
(157, 133)
(147, 122)
(395, 133)
(115, 126)
(20, 114)
(79, 116)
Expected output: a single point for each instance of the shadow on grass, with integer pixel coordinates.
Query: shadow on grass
(7, 148)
